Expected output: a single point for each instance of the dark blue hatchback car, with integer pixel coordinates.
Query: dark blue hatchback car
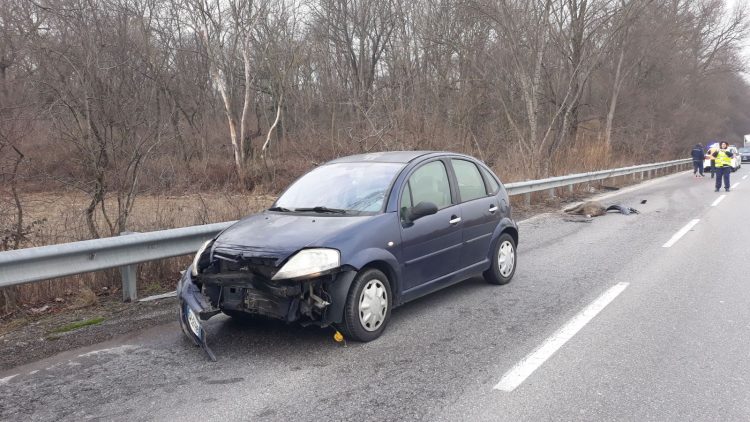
(354, 238)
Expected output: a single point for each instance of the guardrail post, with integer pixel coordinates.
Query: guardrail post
(129, 275)
(570, 188)
(527, 198)
(551, 193)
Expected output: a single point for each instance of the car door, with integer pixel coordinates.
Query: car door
(479, 211)
(431, 245)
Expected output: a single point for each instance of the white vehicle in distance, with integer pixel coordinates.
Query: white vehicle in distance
(736, 157)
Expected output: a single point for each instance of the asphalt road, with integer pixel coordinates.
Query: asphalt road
(672, 342)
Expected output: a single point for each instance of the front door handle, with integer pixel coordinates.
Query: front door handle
(454, 220)
(493, 208)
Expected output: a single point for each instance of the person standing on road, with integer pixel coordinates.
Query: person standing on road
(723, 159)
(697, 154)
(709, 154)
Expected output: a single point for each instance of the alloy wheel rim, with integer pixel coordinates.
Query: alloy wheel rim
(373, 305)
(506, 258)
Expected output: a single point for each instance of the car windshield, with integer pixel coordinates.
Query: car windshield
(340, 188)
(744, 150)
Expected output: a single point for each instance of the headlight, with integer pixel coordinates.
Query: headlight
(197, 258)
(309, 262)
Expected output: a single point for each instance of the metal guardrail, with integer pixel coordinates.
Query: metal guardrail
(47, 262)
(530, 186)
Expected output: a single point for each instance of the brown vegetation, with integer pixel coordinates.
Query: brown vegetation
(121, 103)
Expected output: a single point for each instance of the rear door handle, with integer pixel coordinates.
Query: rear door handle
(454, 220)
(493, 208)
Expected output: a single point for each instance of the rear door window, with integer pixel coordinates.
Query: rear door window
(470, 181)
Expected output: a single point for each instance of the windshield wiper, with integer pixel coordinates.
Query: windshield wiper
(322, 210)
(280, 209)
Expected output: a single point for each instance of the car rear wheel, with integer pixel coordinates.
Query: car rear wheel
(503, 262)
(368, 306)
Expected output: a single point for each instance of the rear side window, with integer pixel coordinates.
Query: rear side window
(492, 185)
(429, 183)
(470, 182)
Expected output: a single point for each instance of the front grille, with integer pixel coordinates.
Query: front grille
(233, 262)
(246, 264)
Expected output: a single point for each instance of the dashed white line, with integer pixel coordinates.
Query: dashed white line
(735, 185)
(523, 369)
(680, 233)
(744, 177)
(719, 199)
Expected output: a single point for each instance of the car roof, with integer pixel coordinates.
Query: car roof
(384, 157)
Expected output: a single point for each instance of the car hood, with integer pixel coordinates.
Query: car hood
(278, 235)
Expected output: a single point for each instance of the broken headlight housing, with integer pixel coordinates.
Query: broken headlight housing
(196, 260)
(309, 263)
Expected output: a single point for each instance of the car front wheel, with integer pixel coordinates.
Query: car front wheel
(503, 261)
(368, 306)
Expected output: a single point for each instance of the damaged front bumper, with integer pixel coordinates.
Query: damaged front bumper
(318, 301)
(194, 307)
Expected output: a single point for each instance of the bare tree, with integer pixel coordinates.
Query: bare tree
(225, 29)
(99, 76)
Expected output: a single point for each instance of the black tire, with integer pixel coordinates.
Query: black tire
(379, 295)
(502, 275)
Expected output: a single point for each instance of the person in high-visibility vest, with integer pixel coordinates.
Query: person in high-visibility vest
(709, 156)
(723, 159)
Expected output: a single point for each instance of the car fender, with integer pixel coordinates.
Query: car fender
(368, 256)
(505, 224)
(338, 289)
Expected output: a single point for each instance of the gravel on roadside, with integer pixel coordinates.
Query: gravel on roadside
(28, 338)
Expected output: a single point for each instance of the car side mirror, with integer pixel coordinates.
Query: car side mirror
(422, 209)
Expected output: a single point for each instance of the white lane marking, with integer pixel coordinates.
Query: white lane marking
(6, 379)
(719, 199)
(680, 233)
(744, 177)
(735, 185)
(523, 369)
